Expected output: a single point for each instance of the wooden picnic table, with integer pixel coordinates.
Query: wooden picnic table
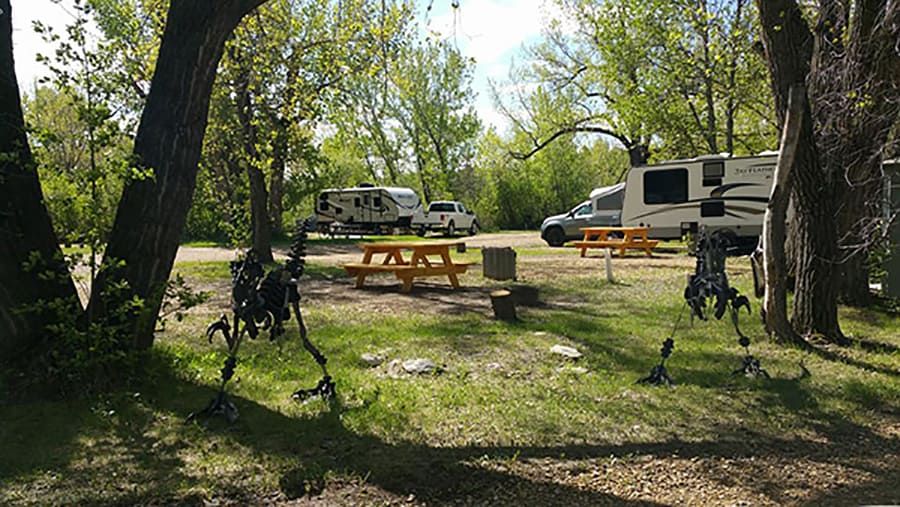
(428, 258)
(618, 238)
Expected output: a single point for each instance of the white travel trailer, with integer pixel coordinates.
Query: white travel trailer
(716, 191)
(366, 209)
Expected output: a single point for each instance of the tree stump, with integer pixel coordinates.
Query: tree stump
(504, 305)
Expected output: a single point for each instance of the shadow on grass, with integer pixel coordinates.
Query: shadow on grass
(321, 447)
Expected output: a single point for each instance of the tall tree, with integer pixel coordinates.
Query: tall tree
(32, 268)
(151, 215)
(849, 48)
(283, 65)
(686, 80)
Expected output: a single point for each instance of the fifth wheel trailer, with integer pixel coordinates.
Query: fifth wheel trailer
(719, 192)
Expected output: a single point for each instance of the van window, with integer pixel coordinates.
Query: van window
(668, 186)
(610, 202)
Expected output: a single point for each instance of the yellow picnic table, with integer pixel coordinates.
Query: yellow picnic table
(618, 238)
(428, 258)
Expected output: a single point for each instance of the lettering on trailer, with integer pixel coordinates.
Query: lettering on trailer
(754, 170)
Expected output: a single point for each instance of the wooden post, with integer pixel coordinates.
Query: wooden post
(504, 305)
(607, 253)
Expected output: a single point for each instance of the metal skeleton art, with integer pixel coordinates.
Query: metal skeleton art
(709, 282)
(263, 301)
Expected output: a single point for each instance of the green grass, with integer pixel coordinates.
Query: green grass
(501, 397)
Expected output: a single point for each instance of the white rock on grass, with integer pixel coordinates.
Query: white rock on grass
(419, 366)
(564, 350)
(395, 369)
(371, 360)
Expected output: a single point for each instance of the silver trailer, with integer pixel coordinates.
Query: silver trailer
(717, 191)
(366, 209)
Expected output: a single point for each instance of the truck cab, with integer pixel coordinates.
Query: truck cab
(447, 217)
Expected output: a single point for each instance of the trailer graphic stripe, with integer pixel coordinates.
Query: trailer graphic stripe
(695, 204)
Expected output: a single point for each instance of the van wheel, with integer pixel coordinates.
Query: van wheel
(473, 230)
(555, 236)
(451, 229)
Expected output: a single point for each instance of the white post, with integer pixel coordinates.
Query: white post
(608, 254)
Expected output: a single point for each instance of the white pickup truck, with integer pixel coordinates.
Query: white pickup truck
(447, 217)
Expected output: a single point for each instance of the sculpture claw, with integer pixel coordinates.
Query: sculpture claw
(741, 301)
(219, 325)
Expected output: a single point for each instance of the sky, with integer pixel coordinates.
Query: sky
(490, 31)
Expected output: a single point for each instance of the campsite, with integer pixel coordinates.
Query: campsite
(449, 252)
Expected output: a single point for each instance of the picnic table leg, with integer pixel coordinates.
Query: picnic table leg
(407, 283)
(448, 264)
(583, 250)
(360, 279)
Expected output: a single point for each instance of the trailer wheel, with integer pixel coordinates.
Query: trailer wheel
(555, 236)
(451, 229)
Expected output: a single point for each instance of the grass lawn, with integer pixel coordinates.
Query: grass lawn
(504, 421)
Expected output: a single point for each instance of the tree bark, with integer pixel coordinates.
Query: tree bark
(867, 91)
(26, 233)
(259, 196)
(788, 44)
(152, 212)
(774, 225)
(276, 179)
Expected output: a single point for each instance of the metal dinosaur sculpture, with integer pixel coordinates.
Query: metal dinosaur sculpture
(709, 281)
(263, 301)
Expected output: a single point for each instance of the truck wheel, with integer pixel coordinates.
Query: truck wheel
(473, 230)
(555, 236)
(451, 229)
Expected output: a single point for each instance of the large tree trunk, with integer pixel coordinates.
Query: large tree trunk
(26, 234)
(152, 212)
(774, 226)
(869, 102)
(788, 43)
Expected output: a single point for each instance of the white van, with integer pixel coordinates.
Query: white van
(717, 191)
(366, 209)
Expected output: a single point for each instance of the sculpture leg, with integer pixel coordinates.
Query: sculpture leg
(325, 388)
(220, 405)
(658, 375)
(750, 366)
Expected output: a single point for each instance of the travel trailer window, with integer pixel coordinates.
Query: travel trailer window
(376, 201)
(667, 186)
(713, 172)
(356, 202)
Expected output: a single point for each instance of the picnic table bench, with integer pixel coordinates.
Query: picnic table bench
(428, 258)
(618, 238)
